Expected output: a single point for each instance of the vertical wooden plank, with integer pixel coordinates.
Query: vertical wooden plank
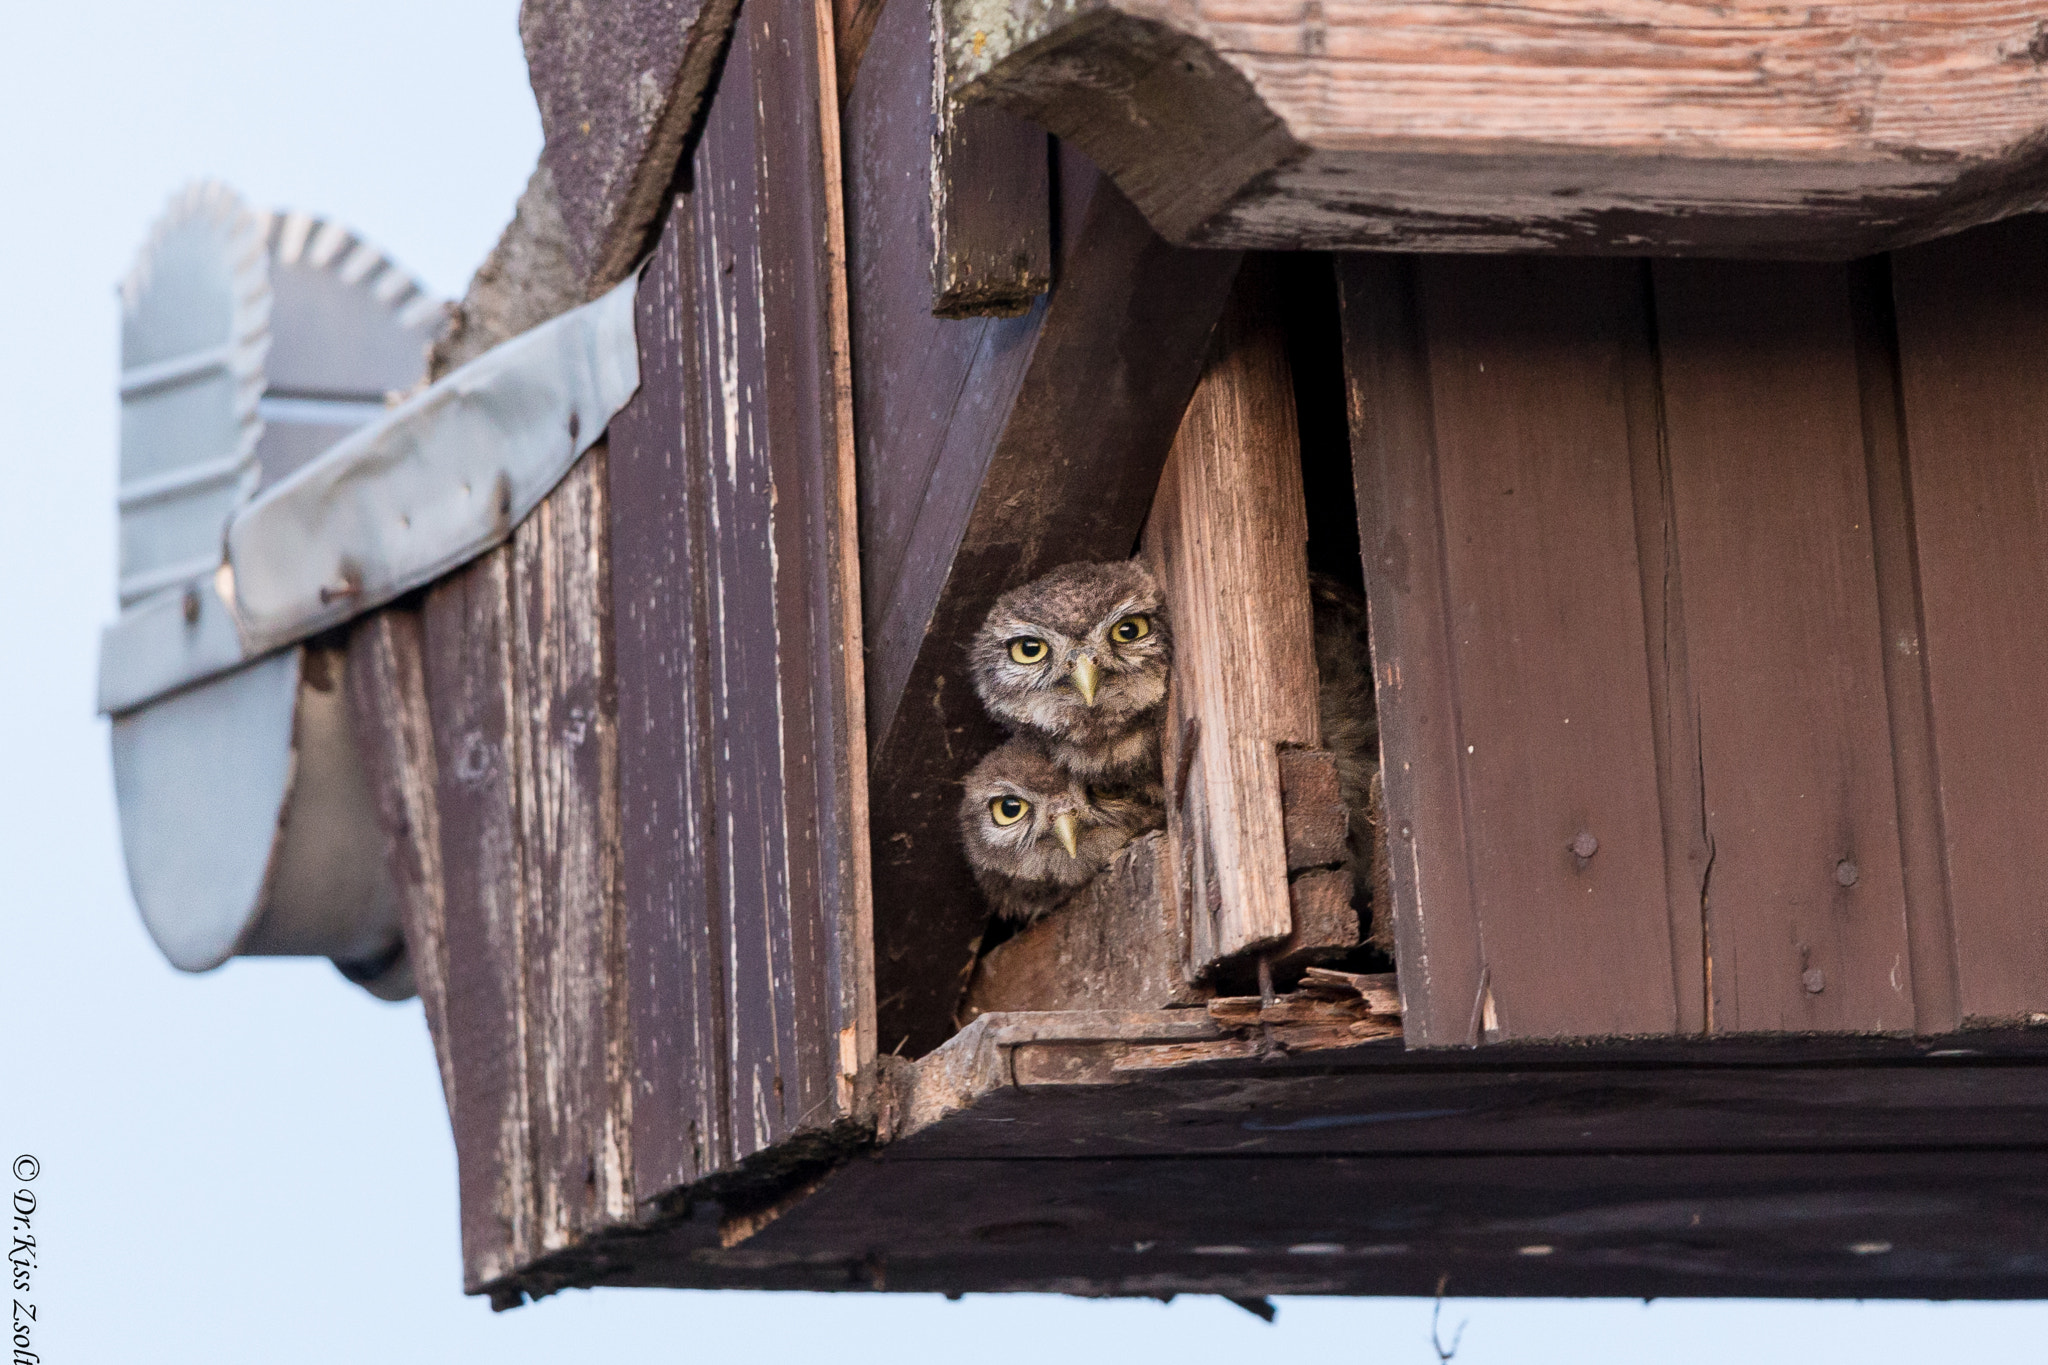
(1394, 459)
(740, 663)
(1930, 928)
(991, 203)
(1228, 542)
(387, 691)
(1805, 903)
(675, 941)
(568, 812)
(1528, 363)
(468, 672)
(1972, 332)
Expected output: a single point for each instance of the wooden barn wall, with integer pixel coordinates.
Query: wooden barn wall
(1706, 612)
(620, 758)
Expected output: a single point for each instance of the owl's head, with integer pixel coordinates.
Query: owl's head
(1024, 818)
(1080, 654)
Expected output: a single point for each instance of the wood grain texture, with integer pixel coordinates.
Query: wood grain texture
(387, 693)
(1805, 905)
(1227, 540)
(991, 229)
(1114, 946)
(1528, 364)
(619, 83)
(743, 776)
(579, 1086)
(1971, 339)
(1394, 457)
(467, 627)
(1637, 125)
(990, 450)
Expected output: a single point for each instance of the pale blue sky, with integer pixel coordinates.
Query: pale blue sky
(254, 1166)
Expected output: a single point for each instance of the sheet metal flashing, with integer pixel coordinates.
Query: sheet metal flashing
(443, 477)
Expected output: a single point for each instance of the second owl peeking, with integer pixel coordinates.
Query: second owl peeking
(1075, 663)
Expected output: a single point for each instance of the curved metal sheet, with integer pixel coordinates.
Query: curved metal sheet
(201, 779)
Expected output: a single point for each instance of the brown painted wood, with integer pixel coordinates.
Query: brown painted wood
(742, 777)
(1971, 336)
(468, 670)
(1528, 364)
(1805, 901)
(1930, 926)
(1394, 463)
(387, 694)
(1227, 540)
(579, 1088)
(991, 231)
(990, 450)
(1733, 129)
(619, 83)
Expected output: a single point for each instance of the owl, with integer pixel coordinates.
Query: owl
(1035, 833)
(1079, 659)
(1351, 731)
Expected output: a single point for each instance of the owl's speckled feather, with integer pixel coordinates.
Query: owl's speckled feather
(1023, 868)
(1350, 724)
(1074, 610)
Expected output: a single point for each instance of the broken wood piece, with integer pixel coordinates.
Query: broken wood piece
(1381, 991)
(1226, 541)
(1113, 946)
(1325, 924)
(1312, 811)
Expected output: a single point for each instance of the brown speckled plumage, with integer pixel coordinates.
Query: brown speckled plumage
(1351, 730)
(1023, 868)
(1073, 610)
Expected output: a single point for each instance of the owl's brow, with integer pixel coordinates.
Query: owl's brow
(1137, 601)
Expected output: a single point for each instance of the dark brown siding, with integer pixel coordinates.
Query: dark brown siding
(1709, 513)
(740, 786)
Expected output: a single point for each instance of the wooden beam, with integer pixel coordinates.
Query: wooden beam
(991, 230)
(619, 84)
(1744, 128)
(1227, 540)
(990, 451)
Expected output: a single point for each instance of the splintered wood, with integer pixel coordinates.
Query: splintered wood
(1227, 541)
(1329, 1009)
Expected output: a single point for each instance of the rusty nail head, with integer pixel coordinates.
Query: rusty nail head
(575, 426)
(191, 606)
(1846, 872)
(1814, 982)
(1584, 845)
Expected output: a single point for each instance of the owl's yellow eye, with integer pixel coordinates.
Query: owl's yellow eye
(1131, 628)
(1008, 810)
(1028, 649)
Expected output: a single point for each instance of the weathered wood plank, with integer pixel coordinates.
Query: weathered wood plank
(1805, 903)
(1971, 340)
(387, 694)
(661, 610)
(579, 1087)
(1114, 946)
(467, 629)
(990, 450)
(743, 781)
(619, 83)
(1394, 462)
(1528, 362)
(991, 230)
(1646, 125)
(1227, 540)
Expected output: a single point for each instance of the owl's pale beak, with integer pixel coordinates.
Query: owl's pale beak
(1085, 678)
(1068, 826)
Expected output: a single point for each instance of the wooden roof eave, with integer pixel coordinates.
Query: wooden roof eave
(1647, 127)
